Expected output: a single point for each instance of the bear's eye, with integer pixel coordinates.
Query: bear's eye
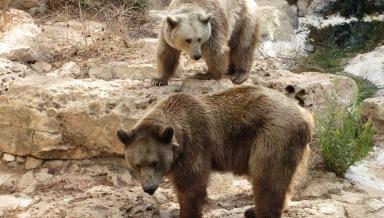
(188, 41)
(137, 165)
(199, 39)
(153, 164)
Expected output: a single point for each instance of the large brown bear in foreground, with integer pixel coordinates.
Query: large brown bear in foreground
(224, 32)
(247, 130)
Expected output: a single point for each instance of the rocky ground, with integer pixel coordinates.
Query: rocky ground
(66, 85)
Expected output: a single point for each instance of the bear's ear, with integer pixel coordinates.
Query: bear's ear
(172, 21)
(205, 18)
(125, 137)
(166, 134)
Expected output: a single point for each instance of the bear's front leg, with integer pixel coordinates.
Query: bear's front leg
(217, 63)
(167, 61)
(191, 203)
(191, 191)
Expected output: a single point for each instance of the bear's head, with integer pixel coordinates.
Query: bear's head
(188, 32)
(149, 151)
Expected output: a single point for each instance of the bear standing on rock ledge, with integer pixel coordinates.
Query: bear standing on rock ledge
(223, 32)
(246, 130)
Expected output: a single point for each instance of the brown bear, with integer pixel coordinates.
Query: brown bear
(223, 32)
(247, 130)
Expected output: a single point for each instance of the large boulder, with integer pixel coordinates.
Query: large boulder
(369, 66)
(65, 118)
(24, 41)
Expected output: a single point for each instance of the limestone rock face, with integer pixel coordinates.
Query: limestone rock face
(24, 41)
(10, 71)
(65, 118)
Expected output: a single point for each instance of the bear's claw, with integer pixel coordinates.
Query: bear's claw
(239, 78)
(158, 82)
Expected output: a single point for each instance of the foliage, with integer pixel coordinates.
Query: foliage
(336, 44)
(344, 137)
(128, 12)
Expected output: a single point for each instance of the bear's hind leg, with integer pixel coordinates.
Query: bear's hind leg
(272, 183)
(242, 45)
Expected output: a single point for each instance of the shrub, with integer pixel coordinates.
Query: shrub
(128, 12)
(344, 136)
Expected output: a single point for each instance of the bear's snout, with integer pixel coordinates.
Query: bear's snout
(196, 56)
(150, 189)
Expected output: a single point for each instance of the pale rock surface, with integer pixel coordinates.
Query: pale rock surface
(32, 163)
(15, 42)
(27, 183)
(322, 184)
(10, 202)
(41, 67)
(52, 164)
(75, 119)
(24, 41)
(20, 159)
(68, 70)
(369, 66)
(11, 71)
(122, 70)
(99, 201)
(368, 174)
(349, 197)
(374, 204)
(8, 157)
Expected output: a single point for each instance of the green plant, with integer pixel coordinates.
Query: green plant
(344, 136)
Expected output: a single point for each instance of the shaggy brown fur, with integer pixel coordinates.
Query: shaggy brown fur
(247, 130)
(234, 33)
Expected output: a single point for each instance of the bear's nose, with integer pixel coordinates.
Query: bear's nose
(196, 57)
(150, 189)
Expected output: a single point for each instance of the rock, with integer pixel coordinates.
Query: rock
(349, 197)
(27, 183)
(235, 212)
(20, 159)
(98, 201)
(41, 67)
(52, 164)
(71, 119)
(24, 41)
(278, 22)
(70, 70)
(65, 118)
(11, 71)
(123, 70)
(15, 43)
(205, 86)
(32, 163)
(322, 184)
(311, 90)
(43, 175)
(374, 204)
(373, 108)
(369, 66)
(8, 157)
(316, 208)
(19, 4)
(9, 202)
